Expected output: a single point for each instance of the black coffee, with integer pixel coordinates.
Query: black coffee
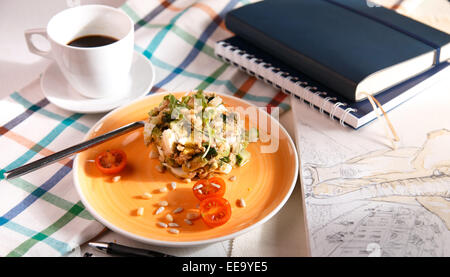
(92, 41)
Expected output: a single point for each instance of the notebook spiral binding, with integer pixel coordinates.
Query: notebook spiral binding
(286, 76)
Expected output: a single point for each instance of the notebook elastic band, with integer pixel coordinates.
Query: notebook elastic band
(374, 102)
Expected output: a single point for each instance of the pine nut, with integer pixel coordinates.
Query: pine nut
(174, 231)
(147, 195)
(159, 210)
(163, 189)
(173, 185)
(198, 187)
(162, 224)
(169, 217)
(163, 203)
(178, 210)
(192, 215)
(215, 185)
(140, 211)
(241, 203)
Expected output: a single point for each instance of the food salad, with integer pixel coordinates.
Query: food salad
(197, 136)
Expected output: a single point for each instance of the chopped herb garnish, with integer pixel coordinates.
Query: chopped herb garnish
(211, 153)
(226, 159)
(200, 136)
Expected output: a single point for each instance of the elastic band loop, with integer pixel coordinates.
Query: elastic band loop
(374, 102)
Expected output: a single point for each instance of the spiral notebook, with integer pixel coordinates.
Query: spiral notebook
(263, 66)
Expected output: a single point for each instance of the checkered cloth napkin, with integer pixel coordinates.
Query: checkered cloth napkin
(41, 213)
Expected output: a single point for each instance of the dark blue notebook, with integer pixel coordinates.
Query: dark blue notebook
(345, 44)
(265, 67)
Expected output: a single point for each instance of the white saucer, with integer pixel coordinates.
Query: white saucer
(59, 92)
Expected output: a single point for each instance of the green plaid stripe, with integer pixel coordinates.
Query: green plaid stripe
(180, 32)
(41, 192)
(27, 104)
(193, 53)
(49, 197)
(75, 209)
(44, 234)
(213, 79)
(59, 246)
(45, 141)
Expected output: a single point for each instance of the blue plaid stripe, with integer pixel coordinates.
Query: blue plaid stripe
(27, 104)
(148, 52)
(152, 14)
(195, 50)
(226, 83)
(48, 196)
(43, 143)
(36, 194)
(30, 109)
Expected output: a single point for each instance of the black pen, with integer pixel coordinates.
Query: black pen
(122, 250)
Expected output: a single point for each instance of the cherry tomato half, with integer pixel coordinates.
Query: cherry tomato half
(215, 211)
(213, 187)
(111, 161)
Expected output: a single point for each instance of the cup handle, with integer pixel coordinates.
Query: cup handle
(31, 47)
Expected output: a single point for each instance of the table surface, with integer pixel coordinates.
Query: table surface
(18, 67)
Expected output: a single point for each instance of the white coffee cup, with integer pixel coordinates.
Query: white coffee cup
(95, 72)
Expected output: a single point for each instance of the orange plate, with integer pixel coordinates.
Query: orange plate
(265, 183)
